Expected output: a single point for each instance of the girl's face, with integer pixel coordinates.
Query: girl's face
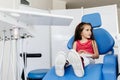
(86, 33)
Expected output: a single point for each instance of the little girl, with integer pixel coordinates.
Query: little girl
(83, 53)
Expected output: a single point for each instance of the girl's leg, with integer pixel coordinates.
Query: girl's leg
(88, 61)
(76, 62)
(60, 63)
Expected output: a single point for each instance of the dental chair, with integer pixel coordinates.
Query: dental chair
(99, 71)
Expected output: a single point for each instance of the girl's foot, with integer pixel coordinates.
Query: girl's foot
(76, 62)
(60, 63)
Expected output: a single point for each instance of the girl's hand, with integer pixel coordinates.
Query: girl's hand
(86, 55)
(82, 51)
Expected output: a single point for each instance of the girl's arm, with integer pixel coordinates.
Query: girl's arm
(74, 45)
(95, 48)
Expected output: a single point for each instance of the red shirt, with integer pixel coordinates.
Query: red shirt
(87, 46)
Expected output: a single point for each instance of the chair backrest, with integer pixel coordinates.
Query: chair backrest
(104, 40)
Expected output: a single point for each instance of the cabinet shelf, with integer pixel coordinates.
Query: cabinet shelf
(10, 18)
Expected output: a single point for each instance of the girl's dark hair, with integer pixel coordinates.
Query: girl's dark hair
(79, 29)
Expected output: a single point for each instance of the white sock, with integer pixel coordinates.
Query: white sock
(60, 63)
(76, 62)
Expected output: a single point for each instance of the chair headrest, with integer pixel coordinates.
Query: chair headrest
(93, 18)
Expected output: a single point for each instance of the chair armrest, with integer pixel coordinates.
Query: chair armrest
(110, 59)
(109, 72)
(110, 67)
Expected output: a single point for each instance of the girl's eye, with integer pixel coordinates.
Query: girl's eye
(87, 29)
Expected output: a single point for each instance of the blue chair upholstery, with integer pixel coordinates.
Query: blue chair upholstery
(104, 71)
(37, 74)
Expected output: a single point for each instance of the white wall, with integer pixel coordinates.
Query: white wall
(41, 4)
(48, 4)
(9, 3)
(119, 18)
(60, 35)
(58, 4)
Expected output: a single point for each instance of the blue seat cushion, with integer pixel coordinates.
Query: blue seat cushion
(92, 72)
(37, 74)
